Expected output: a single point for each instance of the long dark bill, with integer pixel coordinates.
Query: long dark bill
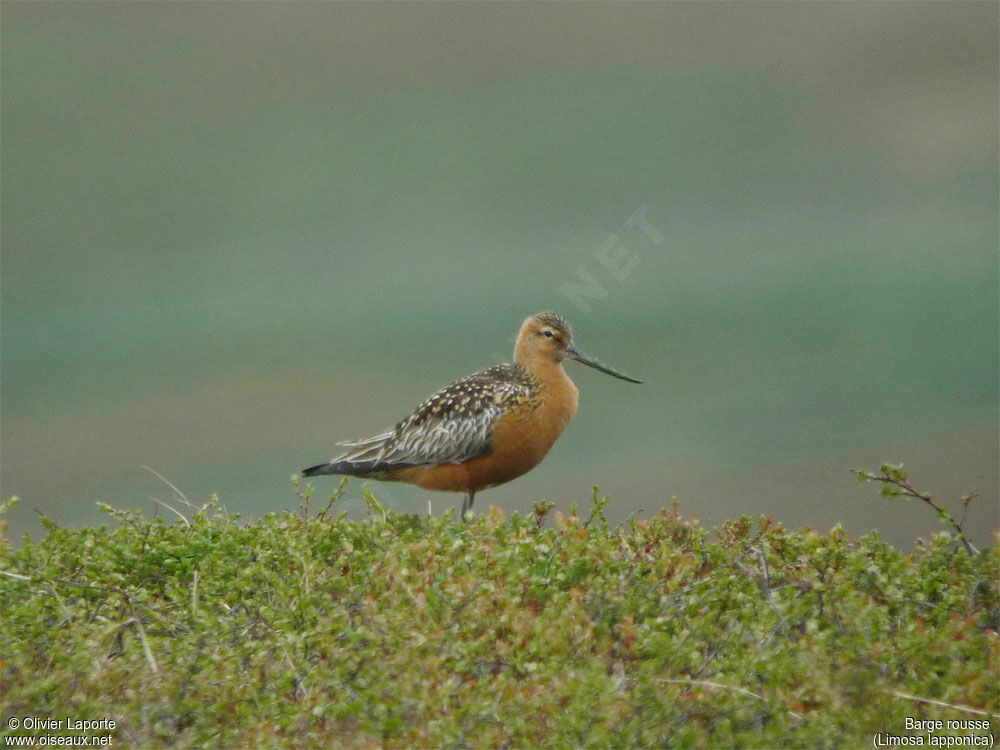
(574, 353)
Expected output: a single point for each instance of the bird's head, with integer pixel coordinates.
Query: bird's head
(546, 337)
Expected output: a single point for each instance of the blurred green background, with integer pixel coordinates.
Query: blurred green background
(234, 234)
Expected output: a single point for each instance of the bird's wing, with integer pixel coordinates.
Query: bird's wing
(452, 426)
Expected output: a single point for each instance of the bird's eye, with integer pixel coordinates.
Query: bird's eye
(548, 333)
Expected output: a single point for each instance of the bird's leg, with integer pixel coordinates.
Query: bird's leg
(467, 504)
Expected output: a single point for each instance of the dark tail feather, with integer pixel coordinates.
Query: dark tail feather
(320, 469)
(353, 468)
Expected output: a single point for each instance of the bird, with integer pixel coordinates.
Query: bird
(482, 430)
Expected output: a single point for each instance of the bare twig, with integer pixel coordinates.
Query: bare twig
(194, 594)
(134, 622)
(630, 517)
(720, 686)
(174, 510)
(933, 702)
(180, 495)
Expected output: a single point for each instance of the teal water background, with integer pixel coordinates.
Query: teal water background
(234, 234)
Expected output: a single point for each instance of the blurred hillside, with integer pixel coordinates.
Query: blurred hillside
(233, 235)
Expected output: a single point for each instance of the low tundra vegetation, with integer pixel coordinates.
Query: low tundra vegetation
(551, 629)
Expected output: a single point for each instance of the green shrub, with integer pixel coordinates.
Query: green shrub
(541, 630)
